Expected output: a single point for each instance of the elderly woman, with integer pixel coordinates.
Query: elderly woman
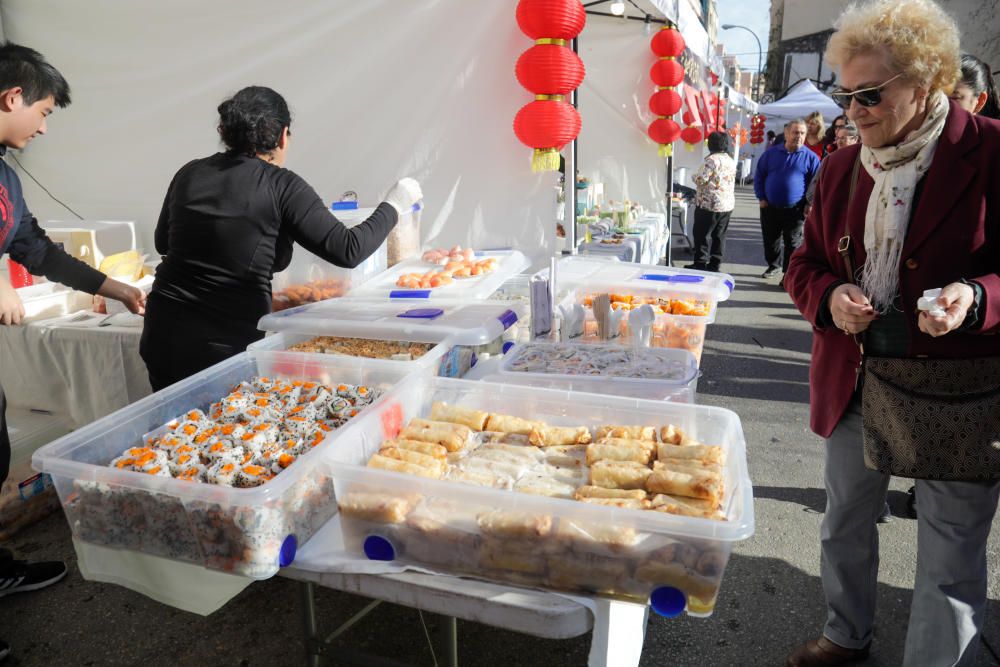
(714, 203)
(918, 202)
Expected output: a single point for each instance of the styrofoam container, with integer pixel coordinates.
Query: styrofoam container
(249, 532)
(675, 562)
(459, 329)
(48, 300)
(624, 378)
(309, 278)
(383, 286)
(584, 272)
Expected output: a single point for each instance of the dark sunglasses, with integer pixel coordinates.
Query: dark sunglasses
(866, 97)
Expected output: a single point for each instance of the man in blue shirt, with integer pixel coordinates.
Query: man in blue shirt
(780, 182)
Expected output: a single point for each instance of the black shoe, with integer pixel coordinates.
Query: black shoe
(771, 271)
(712, 269)
(885, 516)
(4, 650)
(781, 283)
(911, 502)
(18, 576)
(696, 267)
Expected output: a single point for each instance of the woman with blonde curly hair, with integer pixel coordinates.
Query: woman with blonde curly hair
(914, 207)
(815, 127)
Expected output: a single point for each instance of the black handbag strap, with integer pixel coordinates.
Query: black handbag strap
(844, 244)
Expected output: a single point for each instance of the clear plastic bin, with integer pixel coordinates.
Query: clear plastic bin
(48, 300)
(624, 378)
(249, 532)
(676, 562)
(309, 278)
(476, 288)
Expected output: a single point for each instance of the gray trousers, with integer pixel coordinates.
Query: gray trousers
(949, 594)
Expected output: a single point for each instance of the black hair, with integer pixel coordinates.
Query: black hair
(718, 142)
(27, 69)
(252, 120)
(831, 132)
(976, 75)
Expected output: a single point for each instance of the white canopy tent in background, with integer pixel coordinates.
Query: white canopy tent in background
(801, 100)
(378, 90)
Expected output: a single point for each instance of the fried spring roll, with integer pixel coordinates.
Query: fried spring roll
(633, 432)
(688, 465)
(605, 452)
(628, 442)
(386, 463)
(375, 507)
(474, 419)
(566, 456)
(461, 430)
(514, 524)
(509, 424)
(429, 448)
(451, 440)
(410, 456)
(601, 492)
(624, 503)
(705, 453)
(547, 436)
(695, 507)
(690, 484)
(619, 474)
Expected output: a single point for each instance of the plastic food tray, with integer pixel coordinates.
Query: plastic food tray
(249, 532)
(584, 272)
(383, 286)
(683, 389)
(659, 557)
(48, 300)
(309, 278)
(278, 342)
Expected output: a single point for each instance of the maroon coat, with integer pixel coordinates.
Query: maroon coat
(954, 233)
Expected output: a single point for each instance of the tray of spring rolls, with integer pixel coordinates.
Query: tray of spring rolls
(634, 499)
(219, 469)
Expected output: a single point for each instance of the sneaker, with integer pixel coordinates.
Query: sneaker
(771, 271)
(4, 649)
(885, 516)
(18, 576)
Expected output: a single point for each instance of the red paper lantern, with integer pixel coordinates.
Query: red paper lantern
(665, 132)
(549, 69)
(688, 118)
(546, 126)
(668, 43)
(551, 19)
(665, 102)
(667, 73)
(691, 135)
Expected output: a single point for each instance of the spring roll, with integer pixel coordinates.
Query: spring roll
(584, 536)
(695, 507)
(508, 424)
(515, 561)
(509, 439)
(507, 454)
(461, 430)
(542, 485)
(688, 465)
(705, 453)
(429, 448)
(376, 507)
(601, 492)
(649, 445)
(410, 456)
(619, 474)
(452, 440)
(566, 456)
(670, 434)
(483, 466)
(548, 436)
(634, 432)
(605, 452)
(514, 525)
(386, 463)
(480, 478)
(688, 484)
(624, 503)
(474, 419)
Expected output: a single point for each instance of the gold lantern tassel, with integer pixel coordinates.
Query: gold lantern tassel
(666, 150)
(545, 159)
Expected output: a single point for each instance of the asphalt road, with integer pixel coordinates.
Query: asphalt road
(756, 363)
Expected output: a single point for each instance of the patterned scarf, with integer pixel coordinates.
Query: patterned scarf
(896, 171)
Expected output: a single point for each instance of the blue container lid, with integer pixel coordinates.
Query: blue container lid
(286, 555)
(668, 601)
(343, 205)
(377, 547)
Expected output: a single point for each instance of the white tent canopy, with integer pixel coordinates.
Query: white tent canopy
(801, 100)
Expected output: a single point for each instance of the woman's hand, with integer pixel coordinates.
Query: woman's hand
(852, 312)
(11, 308)
(403, 195)
(133, 297)
(955, 301)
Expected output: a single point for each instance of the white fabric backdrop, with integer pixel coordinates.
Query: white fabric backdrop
(378, 90)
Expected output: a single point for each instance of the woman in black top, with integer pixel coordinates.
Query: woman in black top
(227, 226)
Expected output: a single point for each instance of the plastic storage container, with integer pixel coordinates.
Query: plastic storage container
(676, 562)
(682, 332)
(309, 278)
(246, 531)
(457, 329)
(383, 286)
(585, 272)
(27, 496)
(49, 300)
(613, 370)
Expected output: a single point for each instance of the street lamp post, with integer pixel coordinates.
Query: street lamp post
(760, 55)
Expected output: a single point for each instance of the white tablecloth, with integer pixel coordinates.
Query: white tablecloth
(76, 369)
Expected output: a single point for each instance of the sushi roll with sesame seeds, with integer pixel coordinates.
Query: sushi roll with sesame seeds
(252, 475)
(365, 395)
(188, 429)
(222, 449)
(193, 473)
(282, 461)
(338, 405)
(223, 472)
(348, 391)
(305, 410)
(183, 462)
(232, 431)
(262, 383)
(184, 450)
(296, 446)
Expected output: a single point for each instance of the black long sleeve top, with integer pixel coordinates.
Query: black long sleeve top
(227, 226)
(27, 243)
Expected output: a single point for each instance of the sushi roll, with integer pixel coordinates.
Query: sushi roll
(233, 430)
(183, 462)
(193, 473)
(188, 429)
(252, 475)
(295, 446)
(262, 384)
(254, 441)
(282, 461)
(365, 395)
(184, 450)
(298, 426)
(168, 443)
(267, 429)
(215, 411)
(223, 472)
(305, 410)
(223, 449)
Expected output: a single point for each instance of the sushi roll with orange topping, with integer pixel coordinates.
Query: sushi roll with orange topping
(223, 472)
(251, 475)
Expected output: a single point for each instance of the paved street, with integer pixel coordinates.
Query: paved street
(756, 363)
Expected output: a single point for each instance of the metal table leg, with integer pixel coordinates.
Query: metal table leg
(449, 633)
(309, 623)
